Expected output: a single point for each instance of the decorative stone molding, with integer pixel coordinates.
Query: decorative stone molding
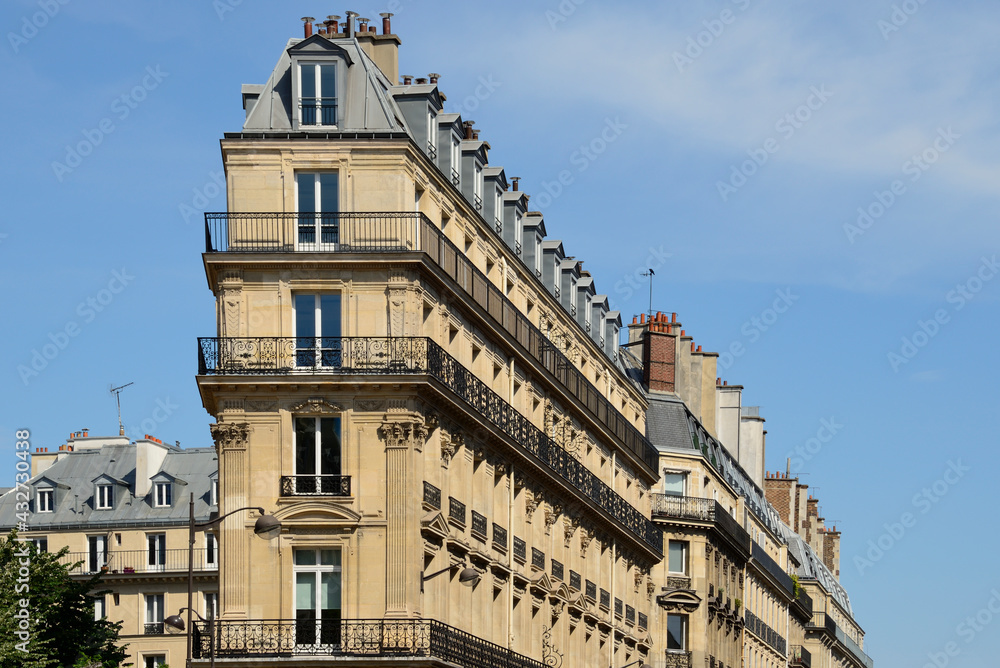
(260, 406)
(552, 513)
(531, 501)
(451, 441)
(399, 434)
(231, 435)
(586, 536)
(369, 405)
(232, 405)
(570, 525)
(317, 406)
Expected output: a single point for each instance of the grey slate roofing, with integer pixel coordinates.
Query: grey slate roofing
(671, 426)
(75, 473)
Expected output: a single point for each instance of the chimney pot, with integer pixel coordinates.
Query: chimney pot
(718, 381)
(699, 349)
(407, 79)
(434, 76)
(421, 80)
(635, 320)
(673, 317)
(364, 24)
(307, 29)
(386, 24)
(515, 180)
(642, 319)
(682, 332)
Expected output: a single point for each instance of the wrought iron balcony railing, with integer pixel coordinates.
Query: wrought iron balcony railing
(765, 632)
(538, 558)
(479, 524)
(520, 549)
(318, 111)
(823, 622)
(153, 629)
(405, 355)
(394, 232)
(128, 562)
(762, 558)
(575, 580)
(372, 638)
(456, 510)
(432, 495)
(799, 656)
(557, 570)
(689, 508)
(499, 537)
(315, 485)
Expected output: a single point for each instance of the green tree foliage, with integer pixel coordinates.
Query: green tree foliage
(47, 617)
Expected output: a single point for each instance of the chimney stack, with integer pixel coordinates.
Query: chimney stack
(308, 27)
(407, 79)
(351, 25)
(434, 76)
(364, 24)
(514, 180)
(386, 25)
(332, 23)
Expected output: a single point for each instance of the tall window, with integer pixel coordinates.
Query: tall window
(456, 155)
(677, 632)
(211, 551)
(678, 556)
(477, 188)
(317, 454)
(317, 597)
(431, 134)
(318, 88)
(97, 556)
(673, 483)
(317, 197)
(162, 495)
(214, 494)
(156, 551)
(45, 500)
(105, 497)
(154, 660)
(317, 330)
(498, 208)
(518, 233)
(211, 605)
(100, 611)
(41, 544)
(154, 614)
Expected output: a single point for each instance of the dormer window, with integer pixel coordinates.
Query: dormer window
(456, 153)
(45, 501)
(477, 188)
(518, 233)
(162, 495)
(105, 497)
(214, 495)
(497, 208)
(318, 94)
(431, 134)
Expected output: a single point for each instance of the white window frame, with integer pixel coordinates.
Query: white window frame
(320, 96)
(498, 207)
(101, 553)
(684, 482)
(155, 603)
(519, 234)
(211, 551)
(431, 133)
(156, 552)
(685, 549)
(41, 544)
(162, 494)
(213, 495)
(46, 500)
(477, 184)
(686, 629)
(318, 205)
(100, 608)
(104, 497)
(156, 659)
(318, 334)
(317, 570)
(210, 605)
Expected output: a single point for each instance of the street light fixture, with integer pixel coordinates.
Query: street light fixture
(176, 622)
(468, 577)
(267, 527)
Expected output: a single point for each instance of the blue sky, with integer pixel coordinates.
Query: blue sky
(731, 143)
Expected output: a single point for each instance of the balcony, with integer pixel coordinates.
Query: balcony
(677, 659)
(432, 496)
(693, 509)
(757, 626)
(823, 622)
(425, 639)
(520, 549)
(799, 657)
(153, 629)
(395, 232)
(380, 356)
(315, 485)
(769, 565)
(138, 562)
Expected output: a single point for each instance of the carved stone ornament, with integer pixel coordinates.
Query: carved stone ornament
(260, 405)
(451, 441)
(231, 435)
(570, 525)
(369, 405)
(317, 406)
(586, 535)
(552, 512)
(637, 578)
(650, 588)
(400, 434)
(530, 504)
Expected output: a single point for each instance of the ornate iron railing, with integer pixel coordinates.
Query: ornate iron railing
(618, 607)
(605, 601)
(127, 562)
(354, 638)
(575, 581)
(456, 510)
(415, 355)
(315, 485)
(854, 648)
(557, 570)
(153, 629)
(643, 621)
(765, 632)
(677, 659)
(804, 603)
(764, 560)
(538, 558)
(799, 656)
(432, 495)
(590, 590)
(357, 232)
(669, 507)
(629, 614)
(520, 549)
(499, 537)
(479, 524)
(822, 622)
(318, 111)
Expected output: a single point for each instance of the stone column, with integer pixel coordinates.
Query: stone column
(231, 445)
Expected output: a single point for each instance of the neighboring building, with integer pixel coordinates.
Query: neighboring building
(122, 507)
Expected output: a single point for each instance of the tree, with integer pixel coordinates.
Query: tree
(47, 617)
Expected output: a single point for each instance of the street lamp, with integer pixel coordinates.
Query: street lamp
(266, 526)
(468, 577)
(176, 622)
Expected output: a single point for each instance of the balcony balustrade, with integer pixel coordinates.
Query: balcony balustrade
(315, 485)
(128, 562)
(422, 356)
(688, 508)
(761, 557)
(757, 626)
(799, 656)
(401, 232)
(432, 496)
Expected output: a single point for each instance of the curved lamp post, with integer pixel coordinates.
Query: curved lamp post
(176, 622)
(267, 527)
(468, 577)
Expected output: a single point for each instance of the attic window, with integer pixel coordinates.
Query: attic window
(161, 495)
(318, 94)
(46, 501)
(104, 499)
(214, 497)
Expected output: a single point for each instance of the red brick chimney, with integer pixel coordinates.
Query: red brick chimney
(659, 355)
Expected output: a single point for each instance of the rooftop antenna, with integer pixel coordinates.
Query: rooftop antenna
(650, 273)
(117, 391)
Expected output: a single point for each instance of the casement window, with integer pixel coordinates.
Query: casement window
(677, 629)
(154, 660)
(317, 330)
(154, 614)
(156, 551)
(317, 453)
(318, 94)
(97, 554)
(477, 188)
(211, 610)
(214, 494)
(45, 500)
(518, 233)
(498, 209)
(317, 596)
(456, 156)
(100, 608)
(162, 494)
(41, 544)
(211, 551)
(678, 556)
(674, 483)
(431, 134)
(105, 497)
(317, 201)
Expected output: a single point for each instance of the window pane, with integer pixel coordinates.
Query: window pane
(305, 557)
(305, 446)
(308, 81)
(330, 557)
(330, 316)
(328, 80)
(673, 484)
(330, 586)
(678, 554)
(305, 591)
(305, 317)
(306, 183)
(330, 444)
(329, 193)
(676, 631)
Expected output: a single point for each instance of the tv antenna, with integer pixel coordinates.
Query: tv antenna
(117, 391)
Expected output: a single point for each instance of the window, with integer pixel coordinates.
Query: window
(154, 660)
(211, 551)
(317, 597)
(678, 556)
(518, 233)
(318, 93)
(211, 605)
(317, 330)
(456, 154)
(214, 494)
(674, 483)
(677, 632)
(161, 495)
(100, 611)
(431, 134)
(156, 551)
(317, 452)
(97, 557)
(498, 208)
(317, 201)
(105, 497)
(154, 614)
(41, 544)
(477, 188)
(46, 500)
